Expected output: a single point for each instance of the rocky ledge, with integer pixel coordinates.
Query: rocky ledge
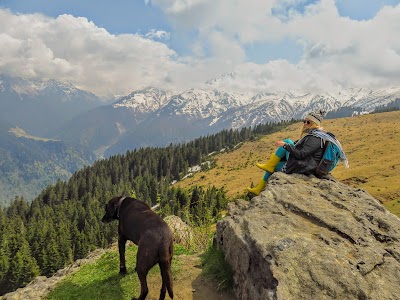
(310, 238)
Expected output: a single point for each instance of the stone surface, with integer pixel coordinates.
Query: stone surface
(307, 238)
(182, 232)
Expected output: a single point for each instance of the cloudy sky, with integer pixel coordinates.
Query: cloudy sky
(115, 47)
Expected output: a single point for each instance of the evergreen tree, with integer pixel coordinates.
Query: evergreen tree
(22, 269)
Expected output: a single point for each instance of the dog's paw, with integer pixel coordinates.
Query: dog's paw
(123, 271)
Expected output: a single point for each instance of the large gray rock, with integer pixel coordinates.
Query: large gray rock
(306, 238)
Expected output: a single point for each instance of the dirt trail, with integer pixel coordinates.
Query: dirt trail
(189, 284)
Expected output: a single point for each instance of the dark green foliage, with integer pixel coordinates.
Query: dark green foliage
(344, 111)
(392, 106)
(27, 166)
(215, 266)
(63, 223)
(349, 111)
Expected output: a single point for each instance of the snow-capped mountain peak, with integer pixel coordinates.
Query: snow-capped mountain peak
(26, 88)
(144, 101)
(238, 109)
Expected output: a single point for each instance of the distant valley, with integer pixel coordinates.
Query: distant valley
(30, 110)
(29, 164)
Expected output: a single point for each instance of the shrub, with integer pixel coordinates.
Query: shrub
(215, 266)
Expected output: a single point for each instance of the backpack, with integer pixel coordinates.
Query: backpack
(329, 159)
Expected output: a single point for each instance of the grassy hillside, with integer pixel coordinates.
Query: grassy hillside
(101, 280)
(371, 143)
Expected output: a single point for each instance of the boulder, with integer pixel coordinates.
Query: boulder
(310, 238)
(182, 232)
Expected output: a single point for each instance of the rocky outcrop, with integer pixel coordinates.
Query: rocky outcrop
(307, 238)
(182, 232)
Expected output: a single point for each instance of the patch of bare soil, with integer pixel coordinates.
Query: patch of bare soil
(189, 284)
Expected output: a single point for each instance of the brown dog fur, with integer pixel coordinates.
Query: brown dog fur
(139, 224)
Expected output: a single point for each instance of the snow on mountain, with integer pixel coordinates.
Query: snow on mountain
(368, 98)
(40, 106)
(222, 109)
(144, 101)
(216, 83)
(205, 103)
(32, 88)
(135, 119)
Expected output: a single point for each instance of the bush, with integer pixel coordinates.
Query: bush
(215, 266)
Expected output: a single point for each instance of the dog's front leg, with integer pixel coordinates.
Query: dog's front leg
(121, 248)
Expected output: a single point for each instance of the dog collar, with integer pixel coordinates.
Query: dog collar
(119, 205)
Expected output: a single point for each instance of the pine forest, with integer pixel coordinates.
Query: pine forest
(63, 223)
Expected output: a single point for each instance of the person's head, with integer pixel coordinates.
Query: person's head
(313, 120)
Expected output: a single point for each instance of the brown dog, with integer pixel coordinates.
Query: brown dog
(139, 224)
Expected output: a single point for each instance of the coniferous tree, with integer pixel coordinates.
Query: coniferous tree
(23, 267)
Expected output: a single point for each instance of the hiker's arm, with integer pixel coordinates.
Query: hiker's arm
(311, 145)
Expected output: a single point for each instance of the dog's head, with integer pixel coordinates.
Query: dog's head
(112, 209)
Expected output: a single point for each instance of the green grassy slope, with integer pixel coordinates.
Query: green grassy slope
(101, 280)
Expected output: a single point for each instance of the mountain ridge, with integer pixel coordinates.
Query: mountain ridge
(58, 110)
(206, 111)
(29, 163)
(40, 106)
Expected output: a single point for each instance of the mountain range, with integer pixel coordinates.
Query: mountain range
(40, 106)
(84, 123)
(153, 117)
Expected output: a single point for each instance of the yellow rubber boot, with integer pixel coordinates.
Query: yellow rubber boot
(271, 164)
(257, 190)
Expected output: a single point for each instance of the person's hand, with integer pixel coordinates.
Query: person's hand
(279, 143)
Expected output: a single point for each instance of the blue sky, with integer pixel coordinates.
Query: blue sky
(114, 48)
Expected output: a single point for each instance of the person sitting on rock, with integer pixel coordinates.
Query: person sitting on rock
(302, 156)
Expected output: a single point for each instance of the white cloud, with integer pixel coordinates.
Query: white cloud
(337, 51)
(158, 34)
(74, 49)
(348, 52)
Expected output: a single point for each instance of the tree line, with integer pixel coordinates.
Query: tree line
(392, 106)
(63, 223)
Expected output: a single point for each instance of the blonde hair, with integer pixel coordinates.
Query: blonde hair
(313, 125)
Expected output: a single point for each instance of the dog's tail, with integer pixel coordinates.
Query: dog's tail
(166, 274)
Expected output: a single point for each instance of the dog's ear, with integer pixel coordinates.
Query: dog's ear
(111, 210)
(113, 206)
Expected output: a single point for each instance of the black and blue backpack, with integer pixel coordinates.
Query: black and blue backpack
(329, 159)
